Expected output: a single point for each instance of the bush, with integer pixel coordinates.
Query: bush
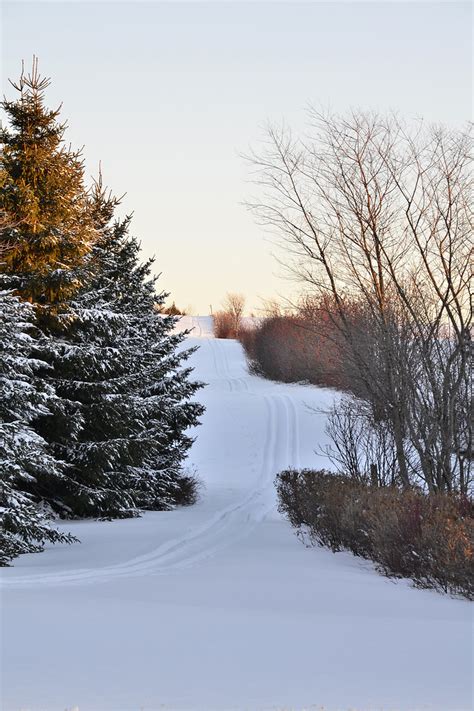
(223, 325)
(189, 487)
(227, 323)
(425, 537)
(247, 336)
(293, 349)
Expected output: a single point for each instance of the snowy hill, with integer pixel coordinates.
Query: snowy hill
(219, 606)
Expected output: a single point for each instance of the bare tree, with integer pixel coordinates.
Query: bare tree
(227, 322)
(372, 212)
(234, 305)
(363, 448)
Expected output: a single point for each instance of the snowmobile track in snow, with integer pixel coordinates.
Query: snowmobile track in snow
(221, 366)
(225, 527)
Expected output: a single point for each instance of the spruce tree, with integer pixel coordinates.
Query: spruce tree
(126, 370)
(24, 459)
(46, 235)
(49, 229)
(122, 402)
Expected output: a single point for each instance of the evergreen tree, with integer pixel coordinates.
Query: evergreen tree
(122, 402)
(125, 370)
(24, 459)
(49, 228)
(46, 235)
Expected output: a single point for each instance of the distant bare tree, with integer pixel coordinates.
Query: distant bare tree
(272, 308)
(234, 305)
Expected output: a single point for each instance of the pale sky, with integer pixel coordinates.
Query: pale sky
(167, 95)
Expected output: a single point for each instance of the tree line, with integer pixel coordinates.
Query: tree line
(96, 398)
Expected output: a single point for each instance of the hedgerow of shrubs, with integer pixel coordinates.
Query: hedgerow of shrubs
(406, 533)
(293, 349)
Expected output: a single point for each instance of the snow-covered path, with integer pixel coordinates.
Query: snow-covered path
(218, 606)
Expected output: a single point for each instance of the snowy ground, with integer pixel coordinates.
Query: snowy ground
(218, 606)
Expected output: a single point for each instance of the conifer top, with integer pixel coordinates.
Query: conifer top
(47, 227)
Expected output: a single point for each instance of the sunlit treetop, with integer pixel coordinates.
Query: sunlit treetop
(47, 228)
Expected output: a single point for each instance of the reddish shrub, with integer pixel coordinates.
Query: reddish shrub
(223, 325)
(227, 322)
(291, 349)
(247, 336)
(428, 538)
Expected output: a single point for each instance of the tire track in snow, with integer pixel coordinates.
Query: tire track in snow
(294, 437)
(224, 528)
(218, 362)
(213, 354)
(223, 363)
(161, 559)
(222, 366)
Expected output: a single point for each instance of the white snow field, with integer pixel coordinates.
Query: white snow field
(219, 606)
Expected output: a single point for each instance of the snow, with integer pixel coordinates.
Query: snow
(219, 606)
(200, 326)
